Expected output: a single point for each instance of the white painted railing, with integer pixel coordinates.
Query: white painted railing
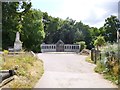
(67, 48)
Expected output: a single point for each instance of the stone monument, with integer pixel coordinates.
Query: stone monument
(17, 43)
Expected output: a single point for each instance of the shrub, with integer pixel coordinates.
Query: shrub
(82, 45)
(100, 41)
(6, 51)
(109, 63)
(100, 67)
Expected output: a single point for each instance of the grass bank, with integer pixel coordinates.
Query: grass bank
(30, 70)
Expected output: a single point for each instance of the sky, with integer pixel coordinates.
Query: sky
(90, 12)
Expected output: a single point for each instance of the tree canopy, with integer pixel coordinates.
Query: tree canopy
(111, 27)
(37, 27)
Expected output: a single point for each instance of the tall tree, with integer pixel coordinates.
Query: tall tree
(78, 36)
(67, 31)
(32, 30)
(111, 27)
(10, 21)
(85, 33)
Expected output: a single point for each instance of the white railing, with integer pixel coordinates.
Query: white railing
(48, 48)
(71, 48)
(67, 48)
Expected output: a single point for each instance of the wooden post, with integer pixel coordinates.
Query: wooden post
(100, 56)
(92, 52)
(95, 56)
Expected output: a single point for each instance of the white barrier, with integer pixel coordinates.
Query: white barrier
(67, 48)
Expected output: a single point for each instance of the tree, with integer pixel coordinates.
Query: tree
(18, 16)
(56, 28)
(78, 36)
(85, 33)
(67, 31)
(52, 26)
(94, 33)
(10, 21)
(111, 27)
(32, 30)
(100, 41)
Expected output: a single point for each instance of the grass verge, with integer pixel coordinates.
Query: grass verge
(88, 59)
(30, 70)
(106, 74)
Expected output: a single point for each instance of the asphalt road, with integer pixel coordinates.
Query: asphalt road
(64, 70)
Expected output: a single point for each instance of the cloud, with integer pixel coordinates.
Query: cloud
(92, 12)
(100, 12)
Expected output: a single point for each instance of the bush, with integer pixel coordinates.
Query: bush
(109, 63)
(6, 51)
(82, 45)
(99, 68)
(100, 41)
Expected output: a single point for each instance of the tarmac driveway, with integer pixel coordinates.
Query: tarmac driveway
(63, 70)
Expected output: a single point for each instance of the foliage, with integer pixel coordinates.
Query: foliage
(109, 65)
(30, 69)
(36, 27)
(100, 67)
(32, 33)
(88, 59)
(110, 46)
(112, 78)
(100, 41)
(111, 27)
(6, 51)
(84, 34)
(9, 23)
(11, 18)
(1, 62)
(109, 76)
(82, 45)
(28, 23)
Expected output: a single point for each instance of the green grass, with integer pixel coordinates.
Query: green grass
(111, 78)
(107, 75)
(88, 59)
(1, 62)
(30, 70)
(99, 68)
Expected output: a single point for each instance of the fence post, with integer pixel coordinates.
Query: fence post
(95, 56)
(92, 51)
(100, 56)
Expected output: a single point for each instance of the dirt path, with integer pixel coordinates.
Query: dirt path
(69, 71)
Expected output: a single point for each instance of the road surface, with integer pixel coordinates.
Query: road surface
(64, 70)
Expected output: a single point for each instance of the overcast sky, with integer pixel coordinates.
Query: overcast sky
(91, 12)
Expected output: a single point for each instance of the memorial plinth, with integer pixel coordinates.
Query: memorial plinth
(18, 43)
